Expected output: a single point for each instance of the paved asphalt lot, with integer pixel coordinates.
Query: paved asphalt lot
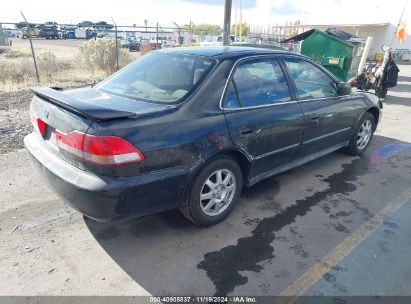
(336, 226)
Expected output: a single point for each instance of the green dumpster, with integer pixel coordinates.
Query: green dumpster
(341, 57)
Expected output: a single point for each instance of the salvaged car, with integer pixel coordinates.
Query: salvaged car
(190, 127)
(131, 44)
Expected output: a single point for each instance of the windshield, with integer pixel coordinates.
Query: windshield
(159, 77)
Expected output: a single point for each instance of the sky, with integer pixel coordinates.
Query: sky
(165, 12)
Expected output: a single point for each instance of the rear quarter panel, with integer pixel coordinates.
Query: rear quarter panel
(183, 137)
(171, 140)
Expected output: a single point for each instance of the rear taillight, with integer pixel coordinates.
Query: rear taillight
(38, 124)
(102, 150)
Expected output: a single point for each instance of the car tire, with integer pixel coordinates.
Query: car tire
(218, 200)
(362, 135)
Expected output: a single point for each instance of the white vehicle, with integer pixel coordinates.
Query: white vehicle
(164, 41)
(219, 41)
(84, 33)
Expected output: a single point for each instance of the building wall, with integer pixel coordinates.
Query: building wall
(383, 35)
(403, 50)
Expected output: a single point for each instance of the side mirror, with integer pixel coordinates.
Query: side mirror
(343, 88)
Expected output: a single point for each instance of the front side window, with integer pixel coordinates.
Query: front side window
(309, 80)
(159, 77)
(257, 82)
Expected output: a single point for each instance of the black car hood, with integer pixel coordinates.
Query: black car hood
(98, 105)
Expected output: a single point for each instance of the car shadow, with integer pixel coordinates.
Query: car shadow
(400, 88)
(402, 78)
(396, 100)
(167, 255)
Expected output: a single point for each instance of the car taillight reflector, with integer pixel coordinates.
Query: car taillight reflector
(102, 150)
(38, 124)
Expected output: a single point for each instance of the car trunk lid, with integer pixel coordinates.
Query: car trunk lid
(77, 110)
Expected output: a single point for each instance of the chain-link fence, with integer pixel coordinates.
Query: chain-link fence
(127, 38)
(101, 48)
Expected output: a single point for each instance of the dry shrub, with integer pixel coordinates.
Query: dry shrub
(16, 66)
(16, 53)
(77, 76)
(47, 64)
(19, 70)
(95, 61)
(100, 54)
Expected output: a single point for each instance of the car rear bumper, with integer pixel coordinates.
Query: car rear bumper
(103, 198)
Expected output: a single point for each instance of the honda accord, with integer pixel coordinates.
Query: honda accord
(190, 127)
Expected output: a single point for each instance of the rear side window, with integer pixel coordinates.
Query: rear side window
(256, 83)
(231, 97)
(309, 80)
(159, 77)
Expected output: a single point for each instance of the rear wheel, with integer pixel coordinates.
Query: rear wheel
(212, 195)
(361, 138)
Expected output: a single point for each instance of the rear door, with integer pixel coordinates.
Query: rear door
(329, 117)
(262, 116)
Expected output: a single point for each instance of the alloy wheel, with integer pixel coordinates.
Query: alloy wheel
(364, 134)
(217, 192)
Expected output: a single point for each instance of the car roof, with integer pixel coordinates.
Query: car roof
(223, 51)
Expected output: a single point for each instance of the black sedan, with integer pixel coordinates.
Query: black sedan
(134, 45)
(190, 127)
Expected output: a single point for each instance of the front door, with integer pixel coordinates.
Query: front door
(262, 117)
(329, 117)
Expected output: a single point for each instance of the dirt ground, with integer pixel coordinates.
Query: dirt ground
(62, 48)
(281, 228)
(14, 119)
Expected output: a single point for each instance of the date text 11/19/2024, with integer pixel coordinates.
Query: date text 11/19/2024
(203, 299)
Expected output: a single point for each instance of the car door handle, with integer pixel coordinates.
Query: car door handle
(314, 121)
(246, 131)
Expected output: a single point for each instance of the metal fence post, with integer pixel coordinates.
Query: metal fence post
(115, 28)
(31, 46)
(179, 33)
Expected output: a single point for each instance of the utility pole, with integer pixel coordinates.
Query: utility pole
(157, 36)
(191, 33)
(116, 37)
(235, 23)
(227, 22)
(241, 22)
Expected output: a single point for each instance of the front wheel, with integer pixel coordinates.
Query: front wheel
(212, 195)
(362, 135)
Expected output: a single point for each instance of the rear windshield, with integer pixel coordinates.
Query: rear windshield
(159, 77)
